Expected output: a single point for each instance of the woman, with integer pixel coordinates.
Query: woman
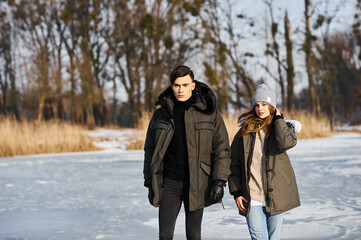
(262, 179)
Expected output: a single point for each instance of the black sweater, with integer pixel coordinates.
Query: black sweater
(176, 158)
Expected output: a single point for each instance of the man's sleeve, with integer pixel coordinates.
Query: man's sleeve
(148, 153)
(220, 150)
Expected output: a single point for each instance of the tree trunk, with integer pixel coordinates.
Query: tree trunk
(290, 68)
(308, 52)
(14, 97)
(59, 85)
(72, 90)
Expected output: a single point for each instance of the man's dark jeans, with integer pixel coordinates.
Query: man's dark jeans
(176, 192)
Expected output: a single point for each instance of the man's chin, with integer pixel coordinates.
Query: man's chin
(181, 99)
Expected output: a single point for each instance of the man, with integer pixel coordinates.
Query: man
(187, 153)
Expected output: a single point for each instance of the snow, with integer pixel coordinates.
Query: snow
(100, 195)
(114, 138)
(347, 127)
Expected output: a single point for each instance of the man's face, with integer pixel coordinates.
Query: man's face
(182, 88)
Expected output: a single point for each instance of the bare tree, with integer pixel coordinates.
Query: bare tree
(326, 70)
(273, 50)
(307, 48)
(159, 36)
(9, 93)
(224, 67)
(82, 29)
(34, 20)
(290, 68)
(69, 27)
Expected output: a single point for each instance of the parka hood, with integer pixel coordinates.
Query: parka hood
(204, 99)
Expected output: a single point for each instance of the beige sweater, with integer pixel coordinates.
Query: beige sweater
(256, 178)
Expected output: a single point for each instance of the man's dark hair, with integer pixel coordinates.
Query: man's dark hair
(180, 71)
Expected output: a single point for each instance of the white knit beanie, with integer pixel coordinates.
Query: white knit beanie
(264, 94)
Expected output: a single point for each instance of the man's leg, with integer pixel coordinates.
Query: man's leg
(194, 224)
(257, 224)
(169, 208)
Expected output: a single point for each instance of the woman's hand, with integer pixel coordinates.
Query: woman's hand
(278, 112)
(239, 203)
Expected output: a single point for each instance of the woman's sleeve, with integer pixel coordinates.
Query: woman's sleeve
(234, 184)
(285, 135)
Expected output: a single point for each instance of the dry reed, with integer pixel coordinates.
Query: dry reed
(34, 137)
(312, 127)
(137, 141)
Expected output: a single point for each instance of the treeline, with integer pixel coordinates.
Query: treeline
(104, 62)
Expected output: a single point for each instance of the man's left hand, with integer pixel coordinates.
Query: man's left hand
(217, 191)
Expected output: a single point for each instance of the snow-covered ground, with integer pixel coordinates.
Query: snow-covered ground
(100, 195)
(110, 139)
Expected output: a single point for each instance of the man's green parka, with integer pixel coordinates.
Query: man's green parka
(207, 145)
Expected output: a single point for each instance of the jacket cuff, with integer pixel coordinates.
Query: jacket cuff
(236, 194)
(278, 117)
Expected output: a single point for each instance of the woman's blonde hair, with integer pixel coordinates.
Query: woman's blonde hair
(250, 122)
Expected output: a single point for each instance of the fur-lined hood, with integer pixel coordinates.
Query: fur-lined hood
(204, 99)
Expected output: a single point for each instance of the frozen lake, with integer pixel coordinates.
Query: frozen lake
(100, 195)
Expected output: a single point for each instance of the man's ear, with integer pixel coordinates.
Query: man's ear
(193, 85)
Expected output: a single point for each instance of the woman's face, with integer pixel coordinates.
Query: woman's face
(262, 109)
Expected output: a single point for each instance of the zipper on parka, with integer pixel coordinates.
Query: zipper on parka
(268, 170)
(249, 161)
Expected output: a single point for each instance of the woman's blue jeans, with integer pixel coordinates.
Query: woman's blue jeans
(262, 225)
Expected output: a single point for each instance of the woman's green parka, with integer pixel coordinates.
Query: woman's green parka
(207, 145)
(279, 180)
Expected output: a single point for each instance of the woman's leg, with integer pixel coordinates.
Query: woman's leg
(169, 208)
(274, 224)
(257, 223)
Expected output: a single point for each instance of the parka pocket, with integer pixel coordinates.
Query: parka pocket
(161, 125)
(159, 129)
(284, 175)
(204, 130)
(206, 168)
(204, 126)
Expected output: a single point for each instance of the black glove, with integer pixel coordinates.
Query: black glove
(217, 191)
